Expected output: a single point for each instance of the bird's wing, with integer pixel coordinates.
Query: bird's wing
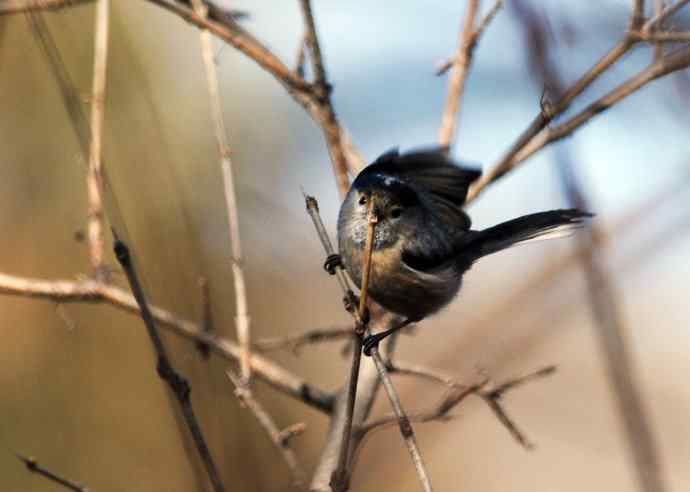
(440, 184)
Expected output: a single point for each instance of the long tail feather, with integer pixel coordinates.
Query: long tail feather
(533, 227)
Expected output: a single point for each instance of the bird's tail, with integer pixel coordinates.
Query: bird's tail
(533, 227)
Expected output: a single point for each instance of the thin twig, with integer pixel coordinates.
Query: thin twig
(91, 291)
(663, 15)
(178, 385)
(658, 46)
(277, 437)
(294, 430)
(368, 383)
(508, 162)
(637, 16)
(242, 320)
(340, 479)
(325, 114)
(33, 466)
(404, 424)
(206, 316)
(460, 64)
(301, 56)
(296, 342)
(658, 38)
(456, 394)
(460, 67)
(19, 6)
(674, 61)
(94, 179)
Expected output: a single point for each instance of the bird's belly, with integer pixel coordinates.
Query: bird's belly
(398, 288)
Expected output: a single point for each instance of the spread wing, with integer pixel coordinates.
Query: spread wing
(436, 179)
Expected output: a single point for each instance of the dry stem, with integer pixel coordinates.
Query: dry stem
(242, 320)
(278, 438)
(296, 342)
(340, 475)
(460, 68)
(177, 384)
(33, 466)
(91, 291)
(406, 430)
(94, 179)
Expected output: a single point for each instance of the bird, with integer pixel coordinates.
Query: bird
(423, 240)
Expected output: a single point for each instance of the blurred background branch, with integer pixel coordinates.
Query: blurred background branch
(648, 25)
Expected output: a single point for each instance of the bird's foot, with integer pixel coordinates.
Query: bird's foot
(372, 341)
(332, 262)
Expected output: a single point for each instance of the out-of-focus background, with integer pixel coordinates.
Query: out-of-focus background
(78, 388)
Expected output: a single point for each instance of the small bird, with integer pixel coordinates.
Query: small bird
(423, 241)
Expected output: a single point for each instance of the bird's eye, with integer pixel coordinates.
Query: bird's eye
(362, 200)
(396, 212)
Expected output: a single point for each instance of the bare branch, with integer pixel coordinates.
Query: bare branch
(242, 320)
(508, 161)
(294, 430)
(456, 394)
(296, 342)
(33, 466)
(662, 15)
(340, 475)
(637, 16)
(325, 114)
(404, 424)
(178, 385)
(94, 179)
(661, 37)
(658, 46)
(277, 437)
(460, 67)
(19, 6)
(92, 291)
(674, 61)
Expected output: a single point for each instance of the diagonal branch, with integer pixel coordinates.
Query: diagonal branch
(33, 466)
(91, 291)
(672, 62)
(277, 437)
(178, 385)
